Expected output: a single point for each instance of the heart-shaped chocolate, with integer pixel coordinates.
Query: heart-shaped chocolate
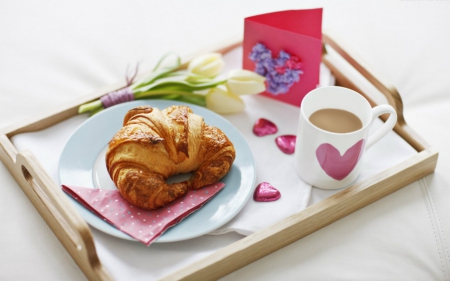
(336, 166)
(265, 192)
(286, 143)
(264, 127)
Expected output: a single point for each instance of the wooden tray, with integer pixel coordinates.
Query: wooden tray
(74, 233)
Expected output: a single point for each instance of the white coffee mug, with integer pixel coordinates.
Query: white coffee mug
(330, 160)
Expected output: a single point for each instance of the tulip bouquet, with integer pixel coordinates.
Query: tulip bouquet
(201, 83)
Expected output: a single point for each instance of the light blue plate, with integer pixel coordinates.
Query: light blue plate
(82, 163)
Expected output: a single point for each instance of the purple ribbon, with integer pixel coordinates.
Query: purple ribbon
(116, 97)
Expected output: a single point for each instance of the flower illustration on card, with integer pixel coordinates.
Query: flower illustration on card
(280, 72)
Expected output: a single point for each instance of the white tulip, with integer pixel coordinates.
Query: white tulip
(208, 65)
(245, 82)
(220, 100)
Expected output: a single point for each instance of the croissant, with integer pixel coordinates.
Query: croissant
(153, 145)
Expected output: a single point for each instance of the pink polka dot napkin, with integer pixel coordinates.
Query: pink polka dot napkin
(143, 225)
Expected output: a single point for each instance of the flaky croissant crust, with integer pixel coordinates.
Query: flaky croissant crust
(153, 145)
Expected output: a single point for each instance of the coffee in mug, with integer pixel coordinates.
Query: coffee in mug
(335, 120)
(333, 135)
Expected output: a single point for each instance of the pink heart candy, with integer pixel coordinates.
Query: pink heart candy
(264, 127)
(286, 143)
(265, 192)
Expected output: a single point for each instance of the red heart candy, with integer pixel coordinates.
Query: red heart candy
(264, 127)
(286, 143)
(265, 192)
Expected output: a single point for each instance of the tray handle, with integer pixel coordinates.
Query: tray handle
(390, 92)
(55, 208)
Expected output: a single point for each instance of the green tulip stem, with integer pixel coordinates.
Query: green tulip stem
(160, 92)
(91, 107)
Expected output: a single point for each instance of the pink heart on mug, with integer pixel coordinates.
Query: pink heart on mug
(336, 166)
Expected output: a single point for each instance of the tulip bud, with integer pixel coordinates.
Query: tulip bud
(208, 65)
(245, 82)
(220, 100)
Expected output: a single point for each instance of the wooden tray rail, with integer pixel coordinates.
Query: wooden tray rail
(75, 235)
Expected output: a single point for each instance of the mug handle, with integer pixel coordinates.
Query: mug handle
(387, 126)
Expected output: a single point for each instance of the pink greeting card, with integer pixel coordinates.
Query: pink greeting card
(285, 47)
